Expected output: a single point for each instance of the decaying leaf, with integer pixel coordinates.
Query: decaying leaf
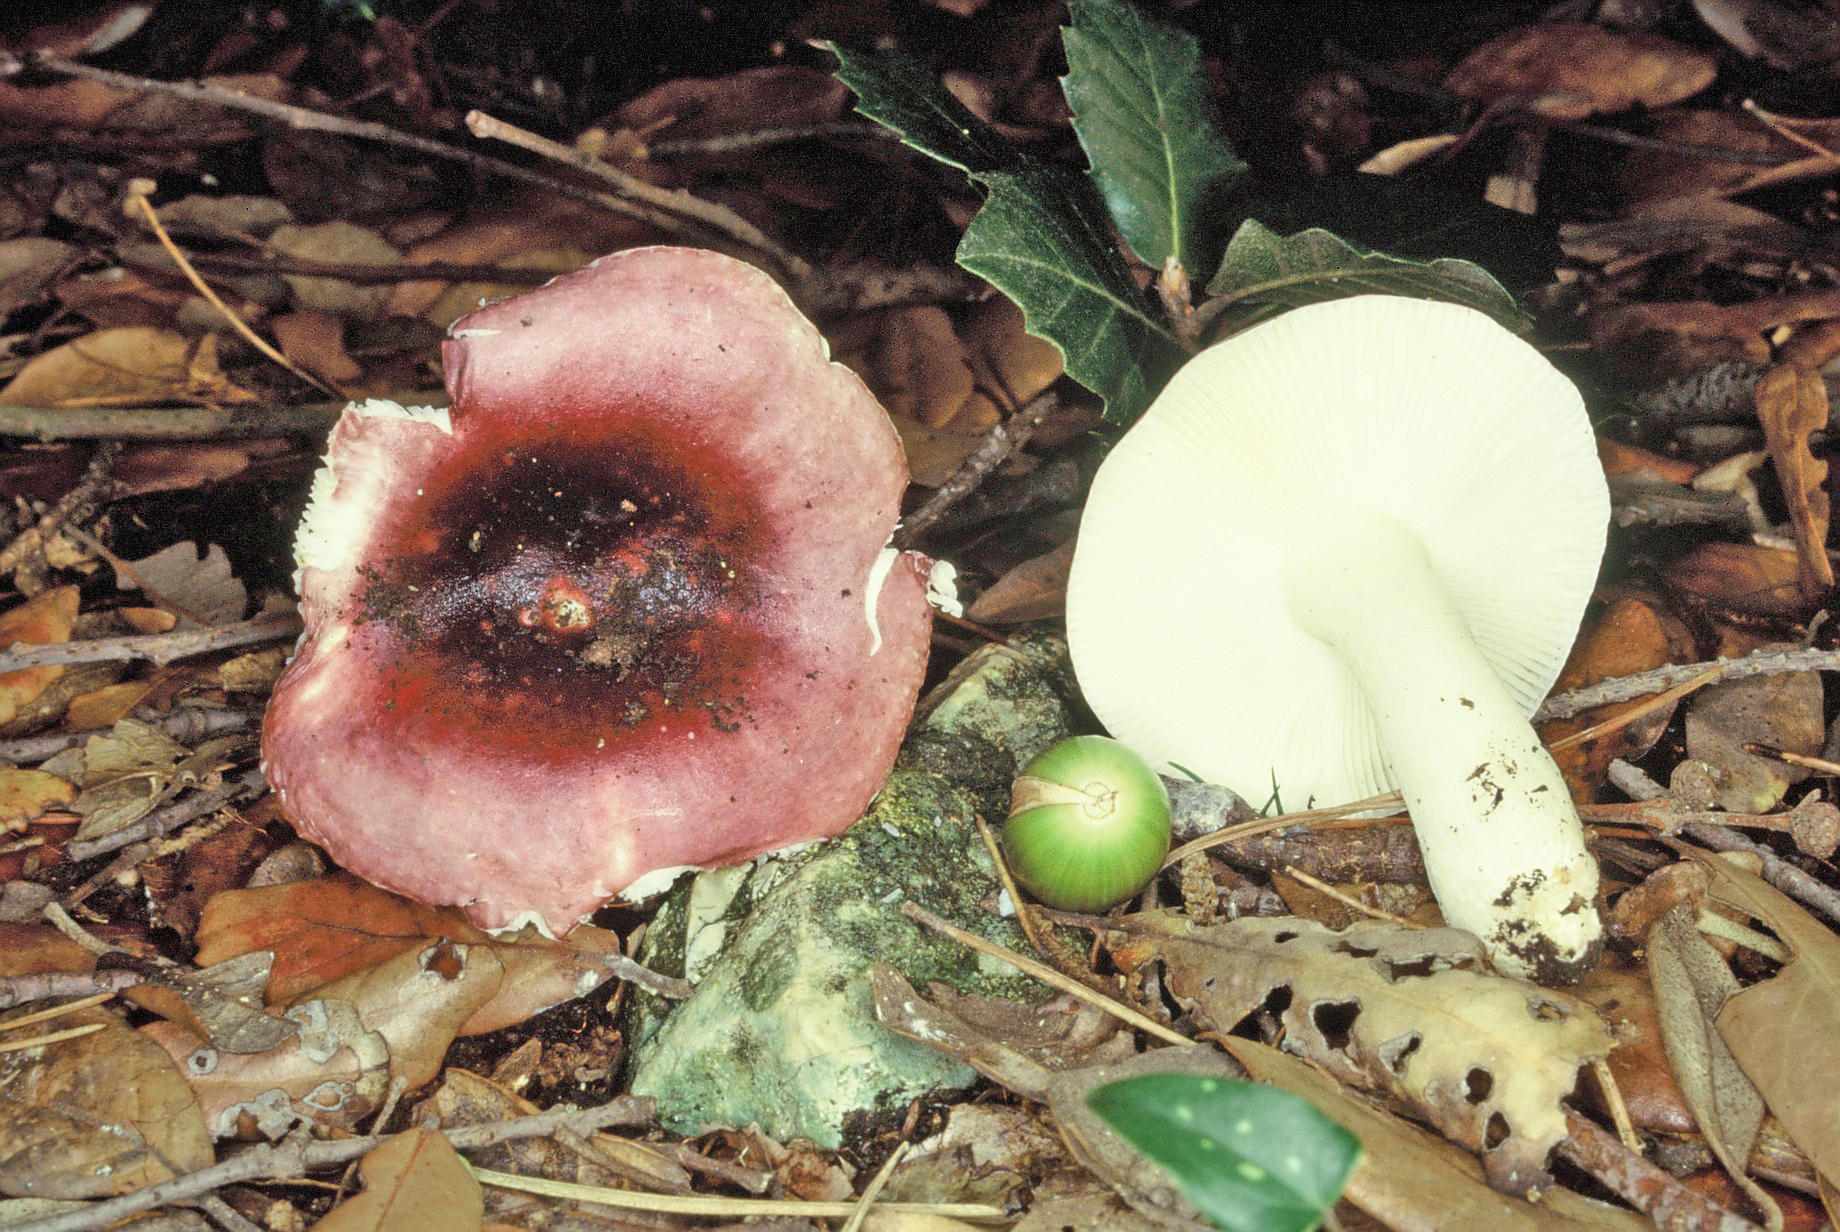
(221, 1003)
(95, 1116)
(1692, 984)
(43, 620)
(331, 930)
(332, 1073)
(1629, 636)
(1411, 1180)
(1774, 1026)
(125, 366)
(1740, 577)
(1783, 711)
(1791, 404)
(1569, 70)
(197, 586)
(419, 999)
(412, 1182)
(1485, 1059)
(25, 794)
(1036, 589)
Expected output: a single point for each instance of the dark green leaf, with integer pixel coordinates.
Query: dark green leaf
(1264, 274)
(1251, 1158)
(1041, 237)
(1042, 240)
(900, 93)
(1142, 111)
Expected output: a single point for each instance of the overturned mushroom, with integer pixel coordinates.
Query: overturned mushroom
(1350, 548)
(625, 608)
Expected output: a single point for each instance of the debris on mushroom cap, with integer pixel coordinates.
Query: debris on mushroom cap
(1363, 442)
(625, 608)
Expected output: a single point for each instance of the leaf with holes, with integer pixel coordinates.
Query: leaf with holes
(1412, 1014)
(1252, 1158)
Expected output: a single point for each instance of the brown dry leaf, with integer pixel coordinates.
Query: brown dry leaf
(1635, 462)
(33, 949)
(1413, 1182)
(1791, 404)
(1682, 224)
(1570, 70)
(1781, 33)
(1692, 983)
(26, 794)
(1628, 637)
(106, 706)
(914, 362)
(1624, 997)
(1740, 577)
(95, 1116)
(322, 930)
(1010, 364)
(1665, 339)
(333, 1073)
(1652, 175)
(125, 366)
(1486, 1059)
(541, 973)
(336, 243)
(315, 341)
(414, 1182)
(146, 469)
(44, 620)
(1775, 1026)
(194, 584)
(27, 266)
(934, 454)
(418, 1001)
(1036, 589)
(103, 112)
(1782, 711)
(332, 929)
(779, 96)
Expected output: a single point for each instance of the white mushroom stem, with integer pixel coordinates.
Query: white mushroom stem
(1502, 843)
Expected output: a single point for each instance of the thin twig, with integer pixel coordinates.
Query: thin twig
(1626, 688)
(1635, 783)
(718, 219)
(156, 648)
(1665, 1200)
(297, 1157)
(96, 481)
(25, 989)
(997, 446)
(185, 725)
(1041, 971)
(139, 199)
(308, 120)
(165, 820)
(157, 423)
(764, 138)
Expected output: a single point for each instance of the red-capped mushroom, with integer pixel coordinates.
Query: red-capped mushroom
(625, 608)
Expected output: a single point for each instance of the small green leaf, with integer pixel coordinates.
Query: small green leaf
(1142, 111)
(1041, 239)
(1251, 1158)
(1264, 274)
(902, 94)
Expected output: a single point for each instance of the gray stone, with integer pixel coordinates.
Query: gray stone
(780, 1030)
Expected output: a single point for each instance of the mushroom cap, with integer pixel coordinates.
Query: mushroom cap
(1426, 411)
(625, 608)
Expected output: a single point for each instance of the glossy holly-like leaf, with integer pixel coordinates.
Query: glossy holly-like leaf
(1042, 241)
(1251, 1158)
(1265, 273)
(903, 95)
(1042, 237)
(1142, 111)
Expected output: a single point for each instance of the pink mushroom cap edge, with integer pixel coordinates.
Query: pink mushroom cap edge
(625, 607)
